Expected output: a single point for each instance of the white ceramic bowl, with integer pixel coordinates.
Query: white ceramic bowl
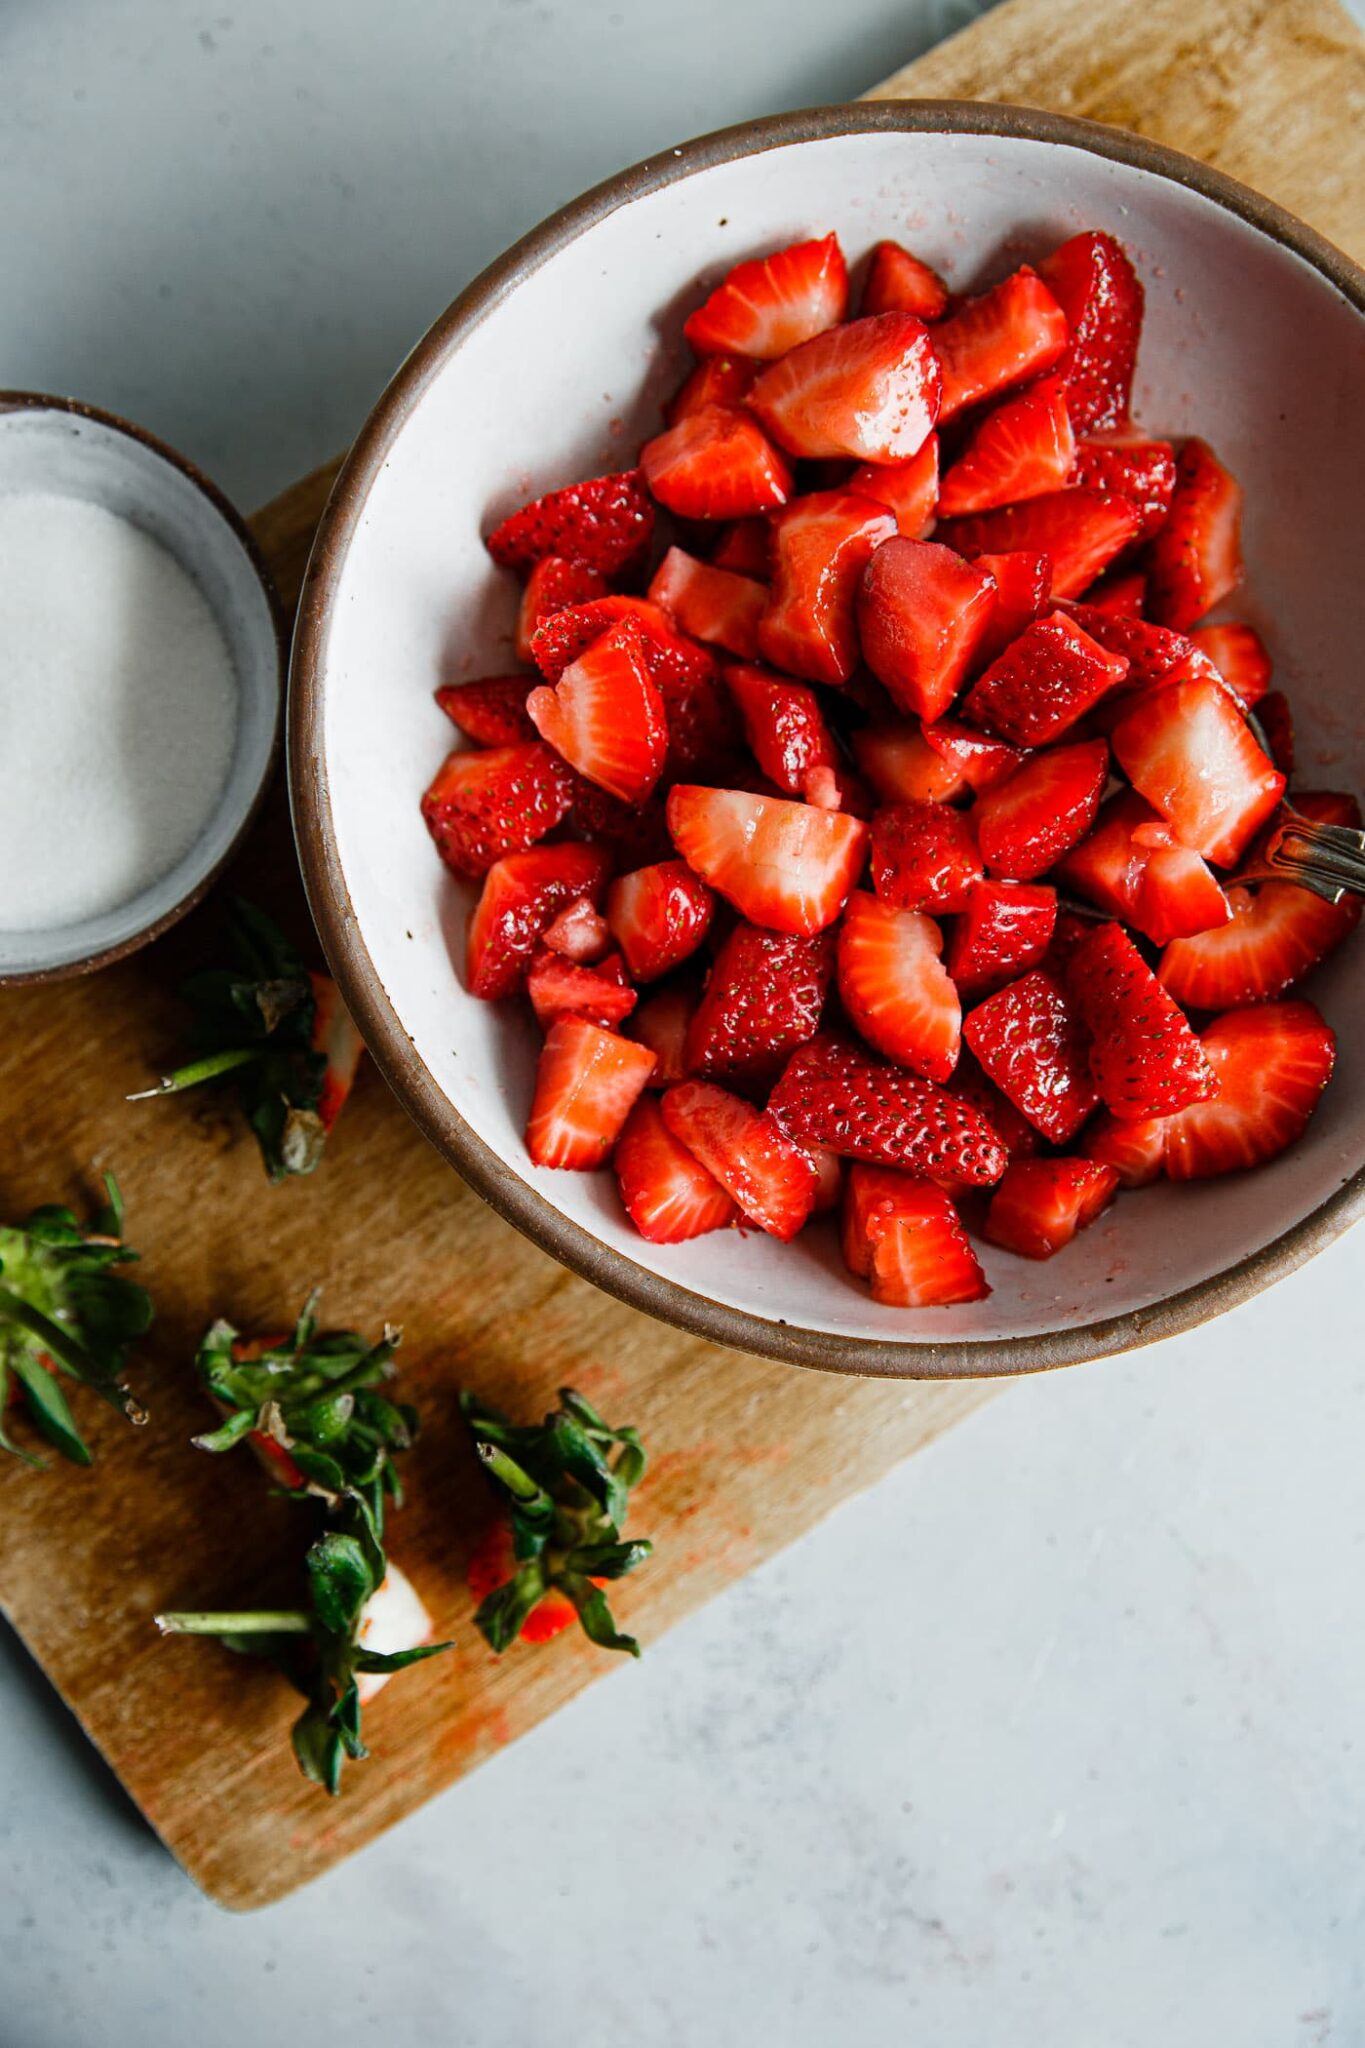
(552, 366)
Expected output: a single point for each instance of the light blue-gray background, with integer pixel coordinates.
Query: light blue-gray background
(1056, 1737)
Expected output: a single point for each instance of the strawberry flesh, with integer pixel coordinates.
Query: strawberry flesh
(982, 761)
(715, 464)
(832, 1094)
(1271, 1064)
(904, 764)
(1005, 929)
(487, 804)
(605, 715)
(769, 1177)
(924, 857)
(898, 282)
(869, 390)
(992, 342)
(1196, 559)
(606, 522)
(909, 489)
(1134, 1146)
(784, 725)
(1240, 656)
(658, 916)
(1101, 296)
(903, 1234)
(1032, 1042)
(1187, 749)
(1022, 449)
(491, 711)
(710, 604)
(661, 1023)
(1041, 1204)
(821, 545)
(786, 866)
(579, 932)
(1025, 825)
(1132, 867)
(587, 1082)
(1043, 682)
(522, 895)
(895, 988)
(1023, 593)
(922, 611)
(668, 1194)
(1129, 465)
(560, 988)
(1145, 1059)
(771, 304)
(764, 998)
(718, 380)
(1081, 532)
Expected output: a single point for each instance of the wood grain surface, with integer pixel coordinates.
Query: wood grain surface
(746, 1455)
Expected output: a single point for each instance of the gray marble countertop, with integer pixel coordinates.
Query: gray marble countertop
(1055, 1736)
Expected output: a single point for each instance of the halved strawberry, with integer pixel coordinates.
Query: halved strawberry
(1240, 656)
(716, 464)
(522, 895)
(1154, 654)
(661, 1023)
(1081, 531)
(1129, 465)
(988, 344)
(762, 1170)
(772, 303)
(834, 1094)
(903, 766)
(1196, 559)
(1271, 1064)
(745, 547)
(579, 932)
(606, 522)
(1032, 1042)
(668, 1194)
(492, 711)
(482, 805)
(907, 1239)
(1022, 449)
(587, 1083)
(717, 380)
(1188, 750)
(1276, 721)
(1134, 1146)
(605, 716)
(909, 489)
(764, 998)
(1145, 1059)
(925, 857)
(552, 586)
(1101, 295)
(1122, 594)
(895, 988)
(658, 916)
(1041, 1204)
(821, 545)
(982, 761)
(1005, 929)
(786, 866)
(560, 988)
(784, 725)
(1043, 682)
(869, 390)
(1132, 866)
(898, 282)
(1023, 593)
(922, 612)
(709, 603)
(1029, 822)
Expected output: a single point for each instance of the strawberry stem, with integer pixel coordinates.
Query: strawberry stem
(266, 1621)
(207, 1069)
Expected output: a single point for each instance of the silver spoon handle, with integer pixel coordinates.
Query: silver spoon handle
(1328, 859)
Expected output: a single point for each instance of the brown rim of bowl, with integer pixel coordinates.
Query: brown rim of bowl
(43, 401)
(383, 1031)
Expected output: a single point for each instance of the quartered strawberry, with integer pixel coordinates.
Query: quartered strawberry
(1129, 465)
(1008, 334)
(606, 522)
(1025, 825)
(909, 489)
(833, 1094)
(668, 1194)
(1043, 682)
(924, 857)
(769, 1177)
(982, 761)
(922, 612)
(717, 380)
(561, 638)
(1133, 1146)
(1015, 1132)
(1023, 593)
(1100, 293)
(1041, 1204)
(636, 833)
(579, 932)
(898, 282)
(1081, 531)
(485, 804)
(661, 1023)
(903, 1234)
(1271, 1064)
(587, 1082)
(784, 725)
(1022, 448)
(895, 988)
(821, 545)
(1277, 723)
(745, 546)
(711, 604)
(522, 895)
(1032, 1042)
(786, 866)
(869, 390)
(1132, 867)
(902, 766)
(1240, 656)
(716, 464)
(1145, 1059)
(492, 711)
(1188, 750)
(1154, 654)
(658, 915)
(560, 988)
(830, 1168)
(764, 997)
(1196, 559)
(1122, 594)
(703, 733)
(771, 304)
(606, 717)
(1003, 931)
(552, 586)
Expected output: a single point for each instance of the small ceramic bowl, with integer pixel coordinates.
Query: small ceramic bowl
(552, 366)
(58, 446)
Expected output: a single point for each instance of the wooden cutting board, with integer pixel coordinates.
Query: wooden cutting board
(746, 1455)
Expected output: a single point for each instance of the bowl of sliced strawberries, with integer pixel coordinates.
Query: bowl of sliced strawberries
(825, 738)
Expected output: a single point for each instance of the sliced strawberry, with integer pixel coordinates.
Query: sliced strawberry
(982, 761)
(560, 988)
(872, 1195)
(898, 282)
(1023, 593)
(522, 894)
(1101, 295)
(1041, 1204)
(786, 866)
(1132, 867)
(821, 545)
(1134, 1146)
(703, 733)
(718, 380)
(1271, 1064)
(491, 711)
(1145, 1059)
(562, 638)
(1196, 559)
(762, 1170)
(661, 1023)
(1188, 750)
(483, 805)
(1043, 682)
(1277, 723)
(587, 1083)
(869, 390)
(745, 547)
(895, 987)
(1032, 1042)
(764, 998)
(924, 857)
(909, 489)
(716, 464)
(918, 1254)
(1154, 654)
(1240, 656)
(668, 1194)
(784, 725)
(999, 339)
(1129, 465)
(903, 766)
(552, 586)
(1016, 1133)
(1022, 449)
(606, 717)
(830, 1167)
(1122, 594)
(709, 603)
(606, 522)
(773, 303)
(1029, 822)
(1081, 531)
(922, 612)
(833, 1094)
(338, 1044)
(1005, 929)
(579, 932)
(658, 916)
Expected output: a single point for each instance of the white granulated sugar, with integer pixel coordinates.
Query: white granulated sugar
(117, 711)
